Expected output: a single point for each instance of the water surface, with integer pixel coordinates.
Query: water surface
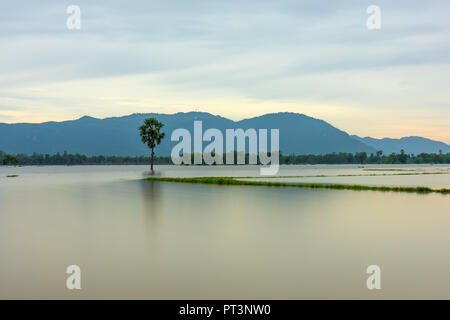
(161, 240)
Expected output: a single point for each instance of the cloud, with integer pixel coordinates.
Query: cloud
(172, 55)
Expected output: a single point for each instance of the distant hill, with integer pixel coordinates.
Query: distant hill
(411, 145)
(299, 134)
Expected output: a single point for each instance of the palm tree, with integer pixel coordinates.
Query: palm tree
(151, 135)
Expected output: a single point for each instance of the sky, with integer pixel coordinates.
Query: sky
(238, 59)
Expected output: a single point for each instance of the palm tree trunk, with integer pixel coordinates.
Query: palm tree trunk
(151, 163)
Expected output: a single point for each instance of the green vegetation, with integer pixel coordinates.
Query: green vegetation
(363, 158)
(354, 175)
(389, 169)
(333, 158)
(235, 181)
(151, 135)
(8, 159)
(78, 159)
(357, 158)
(12, 175)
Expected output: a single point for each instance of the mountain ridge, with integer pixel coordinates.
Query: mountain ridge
(410, 144)
(299, 134)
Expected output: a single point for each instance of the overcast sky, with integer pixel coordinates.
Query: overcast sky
(234, 58)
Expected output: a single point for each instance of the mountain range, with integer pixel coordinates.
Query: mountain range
(299, 134)
(411, 145)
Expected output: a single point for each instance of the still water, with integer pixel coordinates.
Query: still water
(162, 240)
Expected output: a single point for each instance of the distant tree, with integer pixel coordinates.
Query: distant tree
(403, 157)
(361, 156)
(151, 135)
(9, 160)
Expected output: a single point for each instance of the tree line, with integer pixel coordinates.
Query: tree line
(75, 159)
(331, 158)
(364, 158)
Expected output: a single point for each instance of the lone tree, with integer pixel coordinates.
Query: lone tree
(151, 135)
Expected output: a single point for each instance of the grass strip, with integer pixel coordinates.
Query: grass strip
(349, 175)
(234, 181)
(369, 169)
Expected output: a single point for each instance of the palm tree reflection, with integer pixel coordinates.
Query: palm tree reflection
(151, 197)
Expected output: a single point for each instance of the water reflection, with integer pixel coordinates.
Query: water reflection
(151, 197)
